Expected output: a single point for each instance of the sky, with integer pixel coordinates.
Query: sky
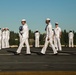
(36, 11)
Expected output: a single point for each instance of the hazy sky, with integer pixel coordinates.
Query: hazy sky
(36, 11)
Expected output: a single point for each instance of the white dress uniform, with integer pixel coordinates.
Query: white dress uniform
(48, 35)
(37, 35)
(0, 39)
(7, 38)
(25, 36)
(57, 42)
(3, 39)
(71, 35)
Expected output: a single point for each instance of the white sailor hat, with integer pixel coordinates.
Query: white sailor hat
(23, 20)
(48, 19)
(56, 23)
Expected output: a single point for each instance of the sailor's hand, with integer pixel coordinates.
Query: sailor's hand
(48, 39)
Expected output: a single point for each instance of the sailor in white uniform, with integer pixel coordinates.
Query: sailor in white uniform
(57, 36)
(25, 36)
(48, 38)
(37, 36)
(71, 36)
(0, 38)
(7, 37)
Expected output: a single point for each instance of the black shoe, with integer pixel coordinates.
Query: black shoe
(40, 54)
(16, 53)
(27, 54)
(56, 54)
(59, 51)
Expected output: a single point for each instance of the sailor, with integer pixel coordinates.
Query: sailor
(48, 38)
(25, 36)
(7, 37)
(71, 36)
(57, 32)
(37, 36)
(0, 38)
(3, 38)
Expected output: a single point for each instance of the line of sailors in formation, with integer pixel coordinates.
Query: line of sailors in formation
(51, 36)
(4, 38)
